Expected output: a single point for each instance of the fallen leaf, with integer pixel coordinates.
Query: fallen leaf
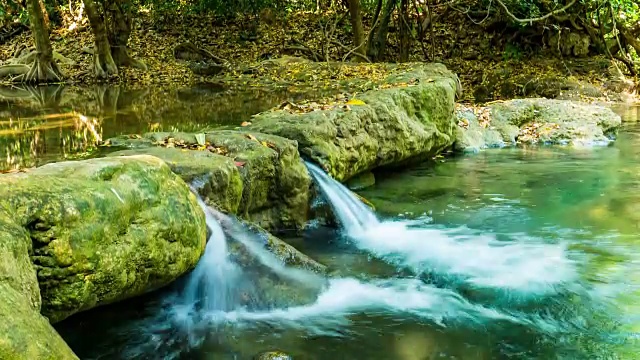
(239, 163)
(356, 102)
(200, 139)
(245, 123)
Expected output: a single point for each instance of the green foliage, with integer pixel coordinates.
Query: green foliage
(511, 52)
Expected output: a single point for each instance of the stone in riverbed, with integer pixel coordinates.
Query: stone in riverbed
(215, 177)
(361, 181)
(410, 120)
(273, 355)
(531, 121)
(104, 230)
(24, 333)
(275, 182)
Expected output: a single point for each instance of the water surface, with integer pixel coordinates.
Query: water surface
(507, 254)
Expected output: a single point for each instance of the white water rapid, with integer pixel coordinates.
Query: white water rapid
(527, 266)
(209, 294)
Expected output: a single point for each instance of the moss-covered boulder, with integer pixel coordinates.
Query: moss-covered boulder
(535, 121)
(104, 230)
(275, 182)
(410, 118)
(24, 333)
(215, 177)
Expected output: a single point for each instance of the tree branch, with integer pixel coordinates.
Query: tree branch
(530, 20)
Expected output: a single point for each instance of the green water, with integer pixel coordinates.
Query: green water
(585, 199)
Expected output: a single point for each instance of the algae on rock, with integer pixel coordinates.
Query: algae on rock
(25, 333)
(104, 230)
(275, 183)
(215, 177)
(412, 119)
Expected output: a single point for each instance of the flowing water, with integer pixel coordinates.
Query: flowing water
(508, 254)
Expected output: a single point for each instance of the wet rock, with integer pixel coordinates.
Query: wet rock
(215, 177)
(412, 121)
(535, 121)
(104, 230)
(361, 181)
(24, 333)
(284, 252)
(273, 355)
(275, 181)
(206, 68)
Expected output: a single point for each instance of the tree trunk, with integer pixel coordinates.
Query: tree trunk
(118, 32)
(356, 24)
(379, 39)
(104, 66)
(405, 31)
(43, 69)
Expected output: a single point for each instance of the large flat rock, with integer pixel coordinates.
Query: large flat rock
(410, 119)
(535, 121)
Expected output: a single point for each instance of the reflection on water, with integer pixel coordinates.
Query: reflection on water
(583, 199)
(51, 123)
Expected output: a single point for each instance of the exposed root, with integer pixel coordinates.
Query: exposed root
(35, 72)
(122, 58)
(104, 66)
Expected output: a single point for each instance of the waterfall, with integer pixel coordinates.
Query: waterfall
(211, 285)
(354, 216)
(526, 265)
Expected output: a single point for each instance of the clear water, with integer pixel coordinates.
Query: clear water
(44, 124)
(507, 254)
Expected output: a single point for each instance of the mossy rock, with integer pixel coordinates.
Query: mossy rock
(410, 121)
(361, 181)
(104, 230)
(215, 177)
(24, 333)
(275, 181)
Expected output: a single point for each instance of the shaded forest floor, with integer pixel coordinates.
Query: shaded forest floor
(488, 66)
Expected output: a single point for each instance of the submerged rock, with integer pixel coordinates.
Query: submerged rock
(275, 183)
(284, 252)
(104, 230)
(273, 355)
(533, 121)
(411, 119)
(24, 333)
(361, 181)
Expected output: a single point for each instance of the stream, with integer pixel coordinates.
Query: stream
(523, 253)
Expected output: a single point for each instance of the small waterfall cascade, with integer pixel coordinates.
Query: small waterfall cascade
(478, 259)
(354, 215)
(210, 287)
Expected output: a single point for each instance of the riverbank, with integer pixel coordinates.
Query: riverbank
(485, 74)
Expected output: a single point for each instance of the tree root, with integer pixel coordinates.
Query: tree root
(36, 72)
(104, 66)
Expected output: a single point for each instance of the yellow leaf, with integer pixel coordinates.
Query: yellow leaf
(356, 102)
(251, 137)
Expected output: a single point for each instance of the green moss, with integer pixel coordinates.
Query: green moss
(396, 124)
(216, 177)
(99, 239)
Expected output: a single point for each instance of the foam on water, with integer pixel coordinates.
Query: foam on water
(330, 313)
(525, 265)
